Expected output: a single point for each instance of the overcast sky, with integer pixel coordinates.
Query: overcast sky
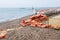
(29, 3)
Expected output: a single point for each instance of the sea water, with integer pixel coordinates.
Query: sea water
(13, 13)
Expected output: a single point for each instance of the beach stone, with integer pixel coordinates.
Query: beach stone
(33, 33)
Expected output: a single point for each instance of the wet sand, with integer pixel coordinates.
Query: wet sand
(28, 33)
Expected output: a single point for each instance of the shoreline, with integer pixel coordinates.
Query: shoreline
(12, 23)
(12, 19)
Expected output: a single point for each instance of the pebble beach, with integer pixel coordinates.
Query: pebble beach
(28, 33)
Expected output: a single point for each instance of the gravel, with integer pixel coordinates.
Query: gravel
(28, 33)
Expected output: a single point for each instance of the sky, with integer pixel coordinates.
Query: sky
(29, 3)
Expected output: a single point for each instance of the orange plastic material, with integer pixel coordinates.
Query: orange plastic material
(36, 21)
(2, 34)
(23, 23)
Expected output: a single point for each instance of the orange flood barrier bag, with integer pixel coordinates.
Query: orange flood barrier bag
(2, 34)
(36, 21)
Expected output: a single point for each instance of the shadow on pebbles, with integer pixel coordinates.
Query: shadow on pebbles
(33, 33)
